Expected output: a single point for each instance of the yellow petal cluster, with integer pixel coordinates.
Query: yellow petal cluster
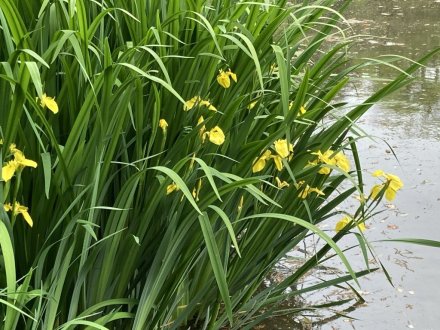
(306, 190)
(345, 221)
(283, 150)
(172, 187)
(224, 78)
(392, 184)
(197, 100)
(281, 184)
(329, 157)
(19, 209)
(49, 102)
(260, 162)
(17, 164)
(216, 136)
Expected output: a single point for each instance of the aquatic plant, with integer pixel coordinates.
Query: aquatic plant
(177, 150)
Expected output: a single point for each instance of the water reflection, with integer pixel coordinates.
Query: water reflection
(409, 121)
(406, 28)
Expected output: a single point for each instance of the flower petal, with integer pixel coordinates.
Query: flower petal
(223, 79)
(378, 173)
(281, 184)
(342, 223)
(324, 170)
(49, 102)
(27, 217)
(172, 187)
(232, 75)
(375, 191)
(278, 162)
(216, 136)
(282, 148)
(390, 194)
(22, 160)
(7, 207)
(259, 165)
(8, 170)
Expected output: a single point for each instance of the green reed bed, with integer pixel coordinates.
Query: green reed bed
(160, 157)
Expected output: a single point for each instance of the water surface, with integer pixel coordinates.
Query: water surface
(409, 124)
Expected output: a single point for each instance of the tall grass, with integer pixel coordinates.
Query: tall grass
(143, 217)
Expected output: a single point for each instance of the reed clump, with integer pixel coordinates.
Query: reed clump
(160, 157)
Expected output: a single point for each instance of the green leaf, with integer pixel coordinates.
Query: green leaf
(9, 262)
(228, 225)
(417, 241)
(47, 170)
(216, 263)
(312, 228)
(180, 183)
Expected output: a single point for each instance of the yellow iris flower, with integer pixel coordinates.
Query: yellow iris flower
(224, 78)
(283, 148)
(392, 182)
(172, 187)
(17, 164)
(345, 221)
(216, 136)
(330, 158)
(197, 100)
(307, 190)
(260, 162)
(281, 184)
(49, 102)
(19, 209)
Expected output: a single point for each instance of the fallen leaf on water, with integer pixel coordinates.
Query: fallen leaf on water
(393, 227)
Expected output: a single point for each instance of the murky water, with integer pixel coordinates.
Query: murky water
(409, 121)
(408, 124)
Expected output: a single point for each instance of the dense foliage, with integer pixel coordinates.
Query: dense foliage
(160, 157)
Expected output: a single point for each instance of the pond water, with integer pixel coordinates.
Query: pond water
(408, 124)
